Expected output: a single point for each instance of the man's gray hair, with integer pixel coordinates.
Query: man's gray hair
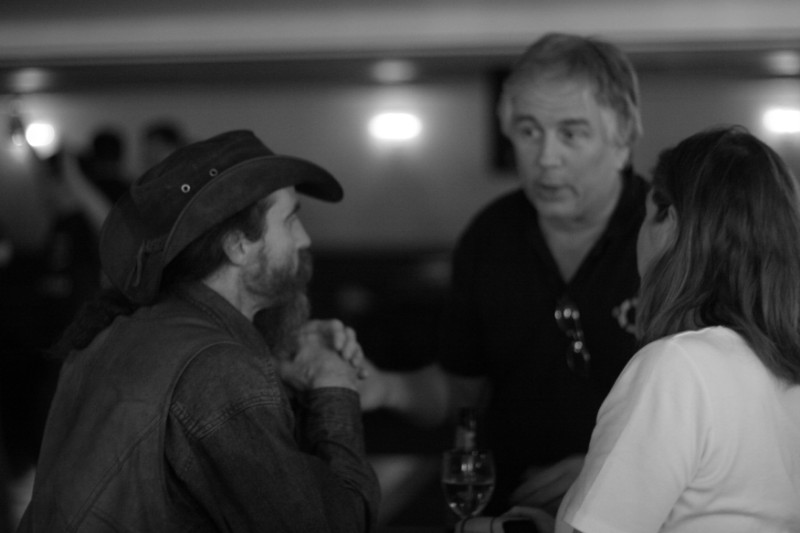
(602, 64)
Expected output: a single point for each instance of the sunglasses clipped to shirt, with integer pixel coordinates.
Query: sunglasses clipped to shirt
(568, 318)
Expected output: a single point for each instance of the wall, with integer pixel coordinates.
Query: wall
(675, 106)
(419, 196)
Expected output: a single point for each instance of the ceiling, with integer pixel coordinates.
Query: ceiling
(73, 45)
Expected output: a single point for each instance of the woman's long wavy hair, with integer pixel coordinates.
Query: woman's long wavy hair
(735, 258)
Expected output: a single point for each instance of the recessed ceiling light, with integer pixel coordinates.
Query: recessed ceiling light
(395, 126)
(394, 71)
(784, 62)
(28, 80)
(782, 120)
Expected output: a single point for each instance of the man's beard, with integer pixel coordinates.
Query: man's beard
(278, 285)
(290, 309)
(280, 323)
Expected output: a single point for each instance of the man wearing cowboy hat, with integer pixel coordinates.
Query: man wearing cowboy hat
(172, 411)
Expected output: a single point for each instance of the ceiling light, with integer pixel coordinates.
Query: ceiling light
(40, 134)
(784, 62)
(395, 126)
(782, 120)
(394, 71)
(29, 80)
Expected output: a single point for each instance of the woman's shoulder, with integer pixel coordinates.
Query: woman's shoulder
(709, 351)
(707, 342)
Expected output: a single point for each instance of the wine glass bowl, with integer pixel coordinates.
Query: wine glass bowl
(468, 478)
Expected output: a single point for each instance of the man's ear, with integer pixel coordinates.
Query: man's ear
(504, 112)
(622, 156)
(236, 247)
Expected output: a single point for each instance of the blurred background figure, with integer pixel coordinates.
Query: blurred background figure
(103, 163)
(6, 522)
(68, 195)
(45, 276)
(159, 139)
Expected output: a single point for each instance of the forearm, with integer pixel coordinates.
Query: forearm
(94, 205)
(259, 469)
(428, 396)
(419, 395)
(333, 431)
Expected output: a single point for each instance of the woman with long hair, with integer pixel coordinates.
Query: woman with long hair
(701, 432)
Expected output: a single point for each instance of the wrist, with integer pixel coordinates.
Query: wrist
(399, 391)
(334, 381)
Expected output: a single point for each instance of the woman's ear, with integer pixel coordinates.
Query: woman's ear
(670, 225)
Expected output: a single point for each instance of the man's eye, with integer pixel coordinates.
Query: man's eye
(572, 134)
(524, 131)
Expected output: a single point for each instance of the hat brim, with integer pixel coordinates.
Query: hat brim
(241, 185)
(134, 264)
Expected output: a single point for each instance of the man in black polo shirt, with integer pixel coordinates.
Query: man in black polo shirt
(539, 321)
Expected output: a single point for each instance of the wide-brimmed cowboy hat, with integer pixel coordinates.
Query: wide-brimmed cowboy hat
(188, 193)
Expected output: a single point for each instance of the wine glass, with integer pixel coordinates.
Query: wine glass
(467, 480)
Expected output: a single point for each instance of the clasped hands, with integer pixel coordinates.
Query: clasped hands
(328, 355)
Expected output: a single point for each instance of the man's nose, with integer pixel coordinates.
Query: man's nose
(550, 152)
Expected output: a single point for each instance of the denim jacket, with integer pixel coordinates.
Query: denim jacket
(175, 419)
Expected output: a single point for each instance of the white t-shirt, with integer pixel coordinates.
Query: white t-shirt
(695, 436)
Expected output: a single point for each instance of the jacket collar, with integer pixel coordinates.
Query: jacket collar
(222, 313)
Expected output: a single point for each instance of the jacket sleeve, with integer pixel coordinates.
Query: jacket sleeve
(233, 449)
